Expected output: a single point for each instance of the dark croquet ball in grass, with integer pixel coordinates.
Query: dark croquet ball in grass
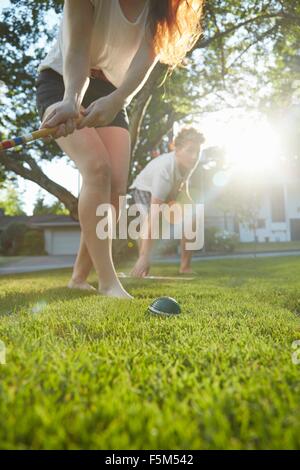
(165, 306)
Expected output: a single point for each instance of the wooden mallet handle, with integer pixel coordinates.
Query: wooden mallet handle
(35, 135)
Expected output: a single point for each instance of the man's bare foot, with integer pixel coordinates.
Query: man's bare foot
(186, 271)
(116, 291)
(81, 286)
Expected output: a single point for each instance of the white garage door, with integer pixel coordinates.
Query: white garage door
(65, 242)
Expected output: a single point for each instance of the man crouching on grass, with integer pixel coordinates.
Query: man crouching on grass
(160, 182)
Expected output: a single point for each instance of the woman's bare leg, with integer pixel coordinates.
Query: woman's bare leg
(82, 268)
(88, 152)
(117, 143)
(186, 258)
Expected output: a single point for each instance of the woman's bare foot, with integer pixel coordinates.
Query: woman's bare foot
(116, 291)
(81, 286)
(183, 270)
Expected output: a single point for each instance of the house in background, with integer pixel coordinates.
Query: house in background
(279, 205)
(61, 233)
(279, 218)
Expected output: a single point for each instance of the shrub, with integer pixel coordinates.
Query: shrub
(11, 238)
(32, 243)
(19, 239)
(216, 240)
(124, 250)
(210, 238)
(226, 241)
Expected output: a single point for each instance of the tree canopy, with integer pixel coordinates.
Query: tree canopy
(248, 56)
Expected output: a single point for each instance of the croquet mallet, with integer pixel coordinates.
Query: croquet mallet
(39, 134)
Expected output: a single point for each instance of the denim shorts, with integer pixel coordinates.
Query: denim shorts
(50, 89)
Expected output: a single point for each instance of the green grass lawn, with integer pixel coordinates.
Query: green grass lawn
(83, 371)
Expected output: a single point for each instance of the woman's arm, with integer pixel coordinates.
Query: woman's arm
(78, 26)
(104, 110)
(138, 72)
(77, 31)
(142, 265)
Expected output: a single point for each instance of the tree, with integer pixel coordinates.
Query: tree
(40, 208)
(10, 201)
(236, 49)
(23, 30)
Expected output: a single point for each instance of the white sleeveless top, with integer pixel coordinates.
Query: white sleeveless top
(115, 41)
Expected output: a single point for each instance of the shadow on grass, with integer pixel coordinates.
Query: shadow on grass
(277, 275)
(14, 301)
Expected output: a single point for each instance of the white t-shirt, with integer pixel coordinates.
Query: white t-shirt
(161, 177)
(115, 41)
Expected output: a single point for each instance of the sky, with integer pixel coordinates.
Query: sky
(4, 4)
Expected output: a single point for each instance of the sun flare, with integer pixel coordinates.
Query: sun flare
(252, 146)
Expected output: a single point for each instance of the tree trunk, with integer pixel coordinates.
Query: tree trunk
(14, 162)
(142, 102)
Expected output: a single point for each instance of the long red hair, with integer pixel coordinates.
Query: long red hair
(175, 27)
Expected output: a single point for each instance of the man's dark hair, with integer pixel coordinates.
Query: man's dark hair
(189, 134)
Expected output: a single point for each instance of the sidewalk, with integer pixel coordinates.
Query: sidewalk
(247, 255)
(29, 264)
